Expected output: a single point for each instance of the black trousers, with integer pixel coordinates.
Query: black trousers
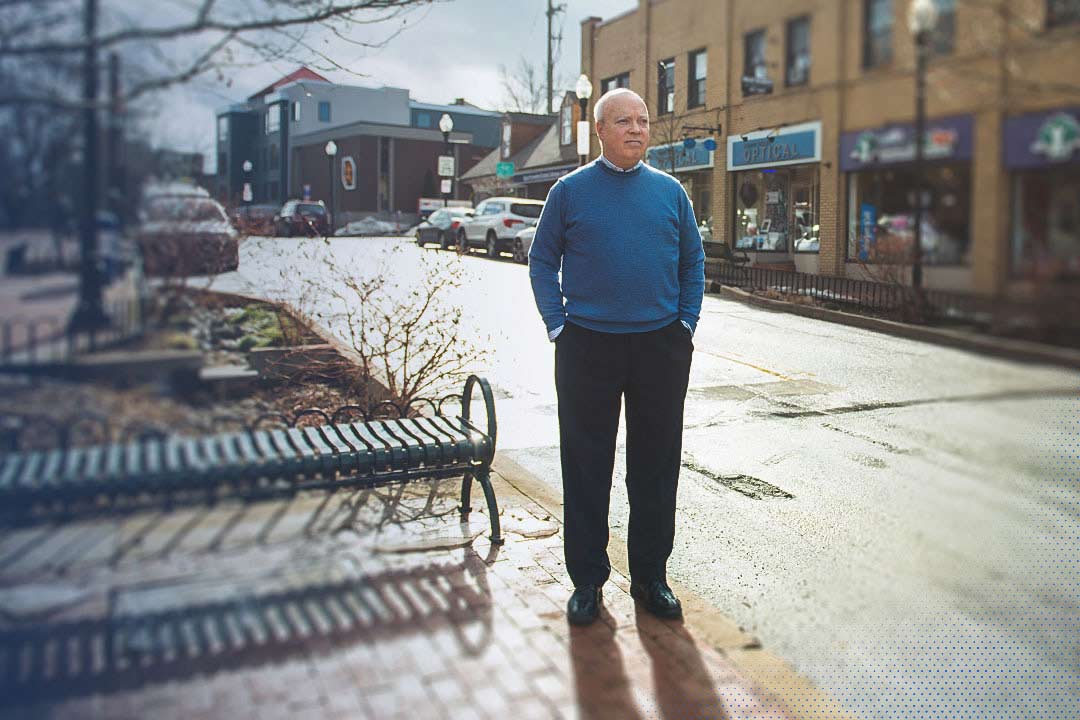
(594, 371)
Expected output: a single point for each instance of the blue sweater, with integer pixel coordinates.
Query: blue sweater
(629, 249)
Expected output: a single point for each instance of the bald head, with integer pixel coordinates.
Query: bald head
(622, 124)
(601, 104)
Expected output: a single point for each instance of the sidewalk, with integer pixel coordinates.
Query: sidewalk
(378, 604)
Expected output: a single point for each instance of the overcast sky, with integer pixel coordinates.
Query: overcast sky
(448, 50)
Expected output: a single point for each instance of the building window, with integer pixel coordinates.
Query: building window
(296, 111)
(423, 120)
(695, 96)
(776, 209)
(222, 164)
(611, 83)
(797, 64)
(273, 164)
(755, 79)
(223, 128)
(1062, 12)
(881, 225)
(942, 39)
(877, 32)
(566, 124)
(1046, 223)
(665, 86)
(273, 119)
(324, 111)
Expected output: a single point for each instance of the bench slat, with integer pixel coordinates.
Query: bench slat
(174, 461)
(329, 459)
(28, 478)
(114, 463)
(295, 463)
(249, 454)
(72, 472)
(353, 455)
(133, 465)
(153, 452)
(52, 468)
(399, 452)
(94, 463)
(380, 452)
(310, 460)
(272, 462)
(10, 468)
(430, 446)
(465, 446)
(448, 442)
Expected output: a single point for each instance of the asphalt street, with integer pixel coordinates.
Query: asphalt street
(899, 521)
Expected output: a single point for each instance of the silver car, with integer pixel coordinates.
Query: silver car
(522, 244)
(496, 222)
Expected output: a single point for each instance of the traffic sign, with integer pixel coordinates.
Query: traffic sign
(445, 186)
(504, 169)
(446, 166)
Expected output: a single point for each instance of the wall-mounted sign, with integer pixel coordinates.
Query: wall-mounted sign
(1043, 139)
(545, 175)
(348, 173)
(446, 166)
(946, 139)
(790, 145)
(696, 157)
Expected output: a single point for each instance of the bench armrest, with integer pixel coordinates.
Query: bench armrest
(489, 403)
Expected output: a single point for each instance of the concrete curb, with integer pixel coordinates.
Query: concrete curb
(770, 673)
(1021, 350)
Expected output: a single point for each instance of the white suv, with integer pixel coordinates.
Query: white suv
(496, 222)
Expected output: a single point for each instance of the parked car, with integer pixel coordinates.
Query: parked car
(254, 219)
(186, 234)
(522, 244)
(302, 217)
(441, 225)
(496, 222)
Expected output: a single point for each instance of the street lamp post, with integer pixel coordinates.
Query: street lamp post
(583, 90)
(331, 151)
(446, 125)
(921, 21)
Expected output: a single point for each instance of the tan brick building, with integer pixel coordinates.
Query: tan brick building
(811, 105)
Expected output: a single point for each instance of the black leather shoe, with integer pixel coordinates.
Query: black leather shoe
(584, 605)
(658, 599)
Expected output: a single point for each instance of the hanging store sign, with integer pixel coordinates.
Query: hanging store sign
(348, 173)
(686, 157)
(948, 138)
(544, 175)
(1042, 139)
(790, 145)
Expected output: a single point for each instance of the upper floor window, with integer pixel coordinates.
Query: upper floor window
(296, 111)
(618, 81)
(324, 111)
(942, 39)
(797, 62)
(755, 79)
(223, 128)
(273, 119)
(695, 96)
(566, 124)
(423, 120)
(1062, 12)
(665, 86)
(877, 32)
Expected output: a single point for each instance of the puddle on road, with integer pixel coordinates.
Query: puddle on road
(752, 487)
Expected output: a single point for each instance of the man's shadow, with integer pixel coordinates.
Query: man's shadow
(682, 684)
(601, 685)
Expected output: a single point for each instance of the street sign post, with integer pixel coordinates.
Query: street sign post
(504, 169)
(446, 166)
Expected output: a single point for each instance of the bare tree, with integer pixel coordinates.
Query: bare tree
(523, 87)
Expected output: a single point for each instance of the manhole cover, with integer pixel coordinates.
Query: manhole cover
(751, 487)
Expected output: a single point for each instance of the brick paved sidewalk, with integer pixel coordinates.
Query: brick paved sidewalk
(371, 605)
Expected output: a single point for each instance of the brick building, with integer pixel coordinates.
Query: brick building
(810, 106)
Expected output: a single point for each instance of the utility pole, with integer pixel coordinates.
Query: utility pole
(552, 11)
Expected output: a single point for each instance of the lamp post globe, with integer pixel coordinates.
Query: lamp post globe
(446, 125)
(922, 17)
(331, 151)
(246, 195)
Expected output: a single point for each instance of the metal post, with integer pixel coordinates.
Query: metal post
(583, 103)
(89, 315)
(446, 151)
(921, 41)
(333, 215)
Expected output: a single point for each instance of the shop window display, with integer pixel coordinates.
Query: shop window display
(1046, 223)
(776, 210)
(881, 226)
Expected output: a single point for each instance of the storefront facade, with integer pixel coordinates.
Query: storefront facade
(1042, 156)
(881, 186)
(775, 180)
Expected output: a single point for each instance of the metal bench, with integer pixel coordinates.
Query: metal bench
(45, 485)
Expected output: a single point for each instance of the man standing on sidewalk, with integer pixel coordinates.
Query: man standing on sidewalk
(622, 320)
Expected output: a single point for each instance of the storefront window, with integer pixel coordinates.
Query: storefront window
(1046, 223)
(776, 209)
(881, 226)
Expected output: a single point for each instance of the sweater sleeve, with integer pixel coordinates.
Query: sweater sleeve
(545, 259)
(691, 264)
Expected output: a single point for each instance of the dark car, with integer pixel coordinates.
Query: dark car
(441, 225)
(303, 218)
(254, 219)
